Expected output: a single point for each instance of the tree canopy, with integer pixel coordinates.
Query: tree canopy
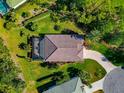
(9, 79)
(101, 20)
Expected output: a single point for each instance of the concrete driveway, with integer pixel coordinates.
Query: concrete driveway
(101, 59)
(104, 62)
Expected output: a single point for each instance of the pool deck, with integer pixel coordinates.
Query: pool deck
(3, 8)
(23, 1)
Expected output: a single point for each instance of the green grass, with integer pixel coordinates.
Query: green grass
(88, 65)
(33, 70)
(38, 18)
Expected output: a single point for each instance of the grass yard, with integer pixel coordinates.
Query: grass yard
(32, 71)
(88, 65)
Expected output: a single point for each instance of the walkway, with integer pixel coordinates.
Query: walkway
(102, 60)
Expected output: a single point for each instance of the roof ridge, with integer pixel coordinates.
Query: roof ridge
(76, 82)
(54, 50)
(79, 53)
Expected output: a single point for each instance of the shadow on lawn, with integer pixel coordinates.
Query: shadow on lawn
(46, 86)
(45, 77)
(49, 65)
(55, 78)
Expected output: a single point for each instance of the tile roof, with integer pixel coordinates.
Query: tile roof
(114, 81)
(59, 48)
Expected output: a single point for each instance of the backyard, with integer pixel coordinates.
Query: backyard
(33, 70)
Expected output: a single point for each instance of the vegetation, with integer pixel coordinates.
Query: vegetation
(18, 34)
(10, 82)
(31, 26)
(85, 70)
(99, 91)
(101, 21)
(25, 14)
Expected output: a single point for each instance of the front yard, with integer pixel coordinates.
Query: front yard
(33, 70)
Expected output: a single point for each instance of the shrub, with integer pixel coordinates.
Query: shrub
(25, 14)
(31, 26)
(23, 46)
(56, 27)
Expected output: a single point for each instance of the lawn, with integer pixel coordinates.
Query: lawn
(32, 71)
(87, 65)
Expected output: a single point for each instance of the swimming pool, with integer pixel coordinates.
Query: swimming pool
(3, 7)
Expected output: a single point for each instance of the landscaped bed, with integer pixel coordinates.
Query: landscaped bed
(90, 66)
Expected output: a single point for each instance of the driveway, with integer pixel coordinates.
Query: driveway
(95, 86)
(101, 59)
(104, 62)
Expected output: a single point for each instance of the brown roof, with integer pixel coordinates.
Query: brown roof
(61, 48)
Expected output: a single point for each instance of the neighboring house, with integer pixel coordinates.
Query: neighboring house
(58, 48)
(114, 81)
(73, 86)
(3, 7)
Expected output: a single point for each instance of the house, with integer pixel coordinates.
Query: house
(3, 7)
(73, 86)
(58, 48)
(114, 81)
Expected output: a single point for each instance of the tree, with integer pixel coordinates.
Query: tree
(57, 27)
(9, 80)
(10, 17)
(23, 46)
(8, 25)
(25, 14)
(57, 76)
(31, 26)
(85, 76)
(73, 72)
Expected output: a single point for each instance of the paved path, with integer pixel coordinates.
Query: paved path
(102, 60)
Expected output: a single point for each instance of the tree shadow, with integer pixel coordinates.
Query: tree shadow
(68, 31)
(45, 77)
(46, 86)
(49, 65)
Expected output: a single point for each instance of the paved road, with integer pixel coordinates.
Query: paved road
(104, 62)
